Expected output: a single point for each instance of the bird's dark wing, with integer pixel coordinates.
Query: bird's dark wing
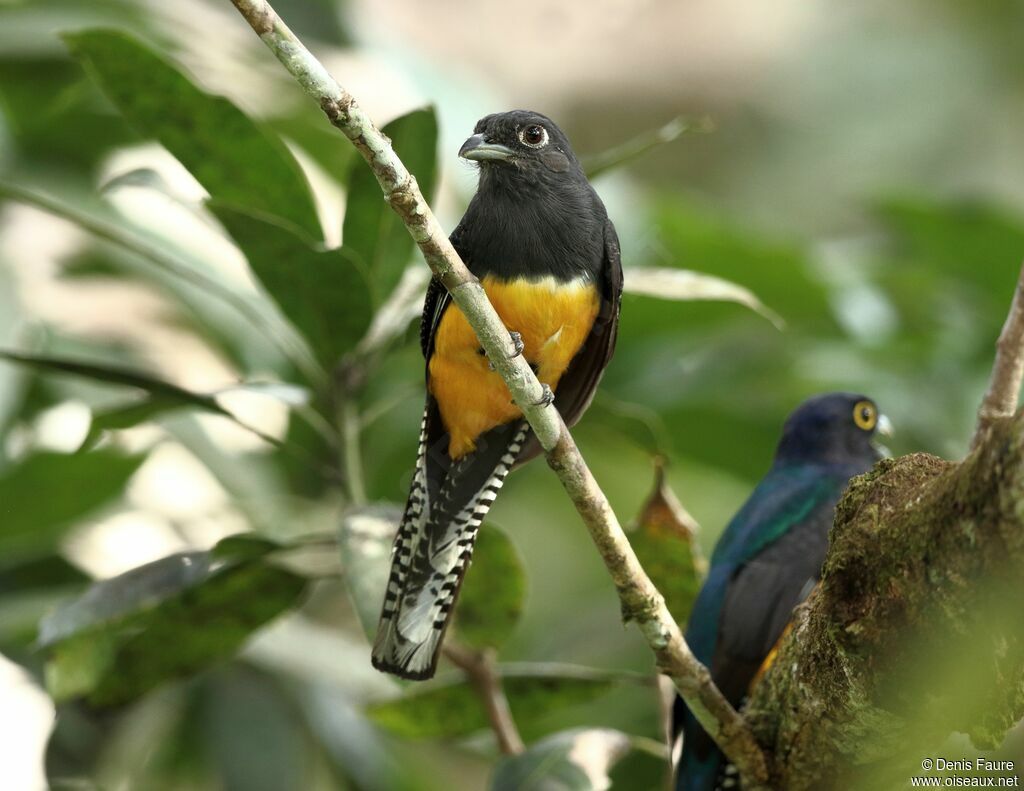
(434, 306)
(785, 497)
(761, 595)
(779, 559)
(760, 567)
(758, 605)
(438, 299)
(584, 372)
(579, 382)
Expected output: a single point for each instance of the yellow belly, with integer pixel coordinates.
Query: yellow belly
(554, 319)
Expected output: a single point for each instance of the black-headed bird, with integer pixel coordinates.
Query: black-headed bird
(768, 560)
(540, 241)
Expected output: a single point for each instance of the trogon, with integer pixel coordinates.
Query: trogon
(539, 239)
(768, 560)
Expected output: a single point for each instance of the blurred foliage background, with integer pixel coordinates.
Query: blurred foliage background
(176, 370)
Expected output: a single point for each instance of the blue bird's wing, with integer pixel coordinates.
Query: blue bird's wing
(760, 570)
(785, 497)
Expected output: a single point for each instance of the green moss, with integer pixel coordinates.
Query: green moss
(915, 631)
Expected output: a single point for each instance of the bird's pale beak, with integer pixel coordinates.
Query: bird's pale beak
(882, 428)
(479, 150)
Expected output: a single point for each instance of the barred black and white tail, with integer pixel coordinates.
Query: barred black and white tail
(434, 545)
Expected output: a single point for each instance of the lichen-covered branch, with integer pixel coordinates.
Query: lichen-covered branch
(1004, 387)
(916, 630)
(641, 602)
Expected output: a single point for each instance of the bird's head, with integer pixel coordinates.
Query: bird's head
(520, 146)
(833, 428)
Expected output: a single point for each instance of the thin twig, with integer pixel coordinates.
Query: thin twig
(349, 379)
(398, 396)
(569, 670)
(641, 601)
(1003, 393)
(480, 669)
(352, 455)
(642, 143)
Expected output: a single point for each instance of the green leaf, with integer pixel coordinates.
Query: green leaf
(312, 135)
(117, 375)
(491, 601)
(684, 285)
(321, 292)
(47, 492)
(638, 423)
(664, 541)
(365, 536)
(645, 766)
(163, 396)
(39, 572)
(129, 415)
(166, 619)
(271, 757)
(29, 588)
(244, 546)
(778, 272)
(235, 159)
(949, 271)
(210, 305)
(973, 240)
(372, 231)
(356, 749)
(574, 760)
(448, 710)
(48, 118)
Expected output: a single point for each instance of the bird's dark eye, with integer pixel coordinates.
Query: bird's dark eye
(865, 415)
(533, 135)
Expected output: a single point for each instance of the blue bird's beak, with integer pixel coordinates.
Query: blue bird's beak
(478, 149)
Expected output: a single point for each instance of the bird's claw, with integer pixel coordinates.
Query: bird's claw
(517, 343)
(546, 397)
(517, 348)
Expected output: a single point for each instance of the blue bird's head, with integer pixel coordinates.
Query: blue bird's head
(833, 428)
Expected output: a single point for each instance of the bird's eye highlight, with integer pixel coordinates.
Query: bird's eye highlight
(865, 415)
(534, 136)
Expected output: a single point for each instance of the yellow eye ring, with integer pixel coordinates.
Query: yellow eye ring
(865, 415)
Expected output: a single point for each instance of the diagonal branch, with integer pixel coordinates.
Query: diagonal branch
(641, 601)
(1004, 387)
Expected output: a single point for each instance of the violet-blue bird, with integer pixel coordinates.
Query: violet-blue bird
(768, 560)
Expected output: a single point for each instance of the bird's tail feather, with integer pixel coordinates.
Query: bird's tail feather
(432, 551)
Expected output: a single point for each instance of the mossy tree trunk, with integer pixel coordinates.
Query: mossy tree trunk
(917, 629)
